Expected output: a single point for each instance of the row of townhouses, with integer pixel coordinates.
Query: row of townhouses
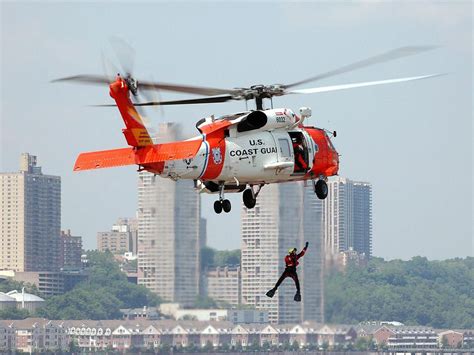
(33, 334)
(90, 335)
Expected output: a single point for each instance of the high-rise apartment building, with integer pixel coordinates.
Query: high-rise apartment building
(30, 218)
(169, 234)
(285, 216)
(347, 217)
(70, 251)
(122, 238)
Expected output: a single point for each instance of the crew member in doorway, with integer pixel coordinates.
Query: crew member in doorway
(291, 261)
(298, 150)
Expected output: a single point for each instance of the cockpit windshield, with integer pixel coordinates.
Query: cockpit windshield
(329, 142)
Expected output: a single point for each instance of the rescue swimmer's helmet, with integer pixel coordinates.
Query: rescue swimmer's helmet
(291, 250)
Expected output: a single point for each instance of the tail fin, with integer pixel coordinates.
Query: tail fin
(136, 133)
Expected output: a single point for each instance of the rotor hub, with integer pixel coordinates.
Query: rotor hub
(132, 84)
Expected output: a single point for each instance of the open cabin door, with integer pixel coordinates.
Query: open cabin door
(303, 152)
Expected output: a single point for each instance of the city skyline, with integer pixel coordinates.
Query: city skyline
(394, 137)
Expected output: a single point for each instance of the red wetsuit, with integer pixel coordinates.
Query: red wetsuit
(299, 160)
(291, 262)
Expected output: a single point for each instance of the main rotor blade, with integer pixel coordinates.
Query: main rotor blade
(358, 85)
(184, 88)
(381, 58)
(205, 100)
(85, 79)
(149, 85)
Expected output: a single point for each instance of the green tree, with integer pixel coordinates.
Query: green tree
(14, 313)
(7, 285)
(325, 345)
(101, 295)
(204, 302)
(211, 258)
(444, 342)
(208, 347)
(361, 344)
(417, 292)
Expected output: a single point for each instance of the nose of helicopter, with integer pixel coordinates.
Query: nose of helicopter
(333, 168)
(332, 158)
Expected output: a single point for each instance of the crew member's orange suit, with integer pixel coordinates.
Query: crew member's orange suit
(299, 160)
(291, 262)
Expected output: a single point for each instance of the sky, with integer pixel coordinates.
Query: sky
(412, 141)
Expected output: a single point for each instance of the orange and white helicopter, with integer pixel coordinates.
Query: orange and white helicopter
(239, 152)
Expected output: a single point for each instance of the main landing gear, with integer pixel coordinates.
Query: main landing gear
(320, 188)
(250, 196)
(222, 204)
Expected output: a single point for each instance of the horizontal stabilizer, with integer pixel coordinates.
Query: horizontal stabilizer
(141, 156)
(105, 159)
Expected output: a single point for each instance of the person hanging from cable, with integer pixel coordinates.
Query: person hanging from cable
(291, 262)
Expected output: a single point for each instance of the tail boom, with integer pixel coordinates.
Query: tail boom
(146, 156)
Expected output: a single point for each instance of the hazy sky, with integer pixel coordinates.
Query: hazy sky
(412, 141)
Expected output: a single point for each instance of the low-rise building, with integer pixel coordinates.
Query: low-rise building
(6, 301)
(409, 337)
(351, 257)
(224, 284)
(468, 339)
(450, 339)
(26, 300)
(382, 334)
(51, 283)
(34, 334)
(122, 238)
(151, 313)
(247, 316)
(175, 311)
(336, 334)
(7, 336)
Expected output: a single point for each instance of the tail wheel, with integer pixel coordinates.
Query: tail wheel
(249, 200)
(218, 207)
(226, 206)
(321, 189)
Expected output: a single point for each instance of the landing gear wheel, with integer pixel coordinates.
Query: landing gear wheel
(218, 207)
(321, 189)
(249, 200)
(226, 206)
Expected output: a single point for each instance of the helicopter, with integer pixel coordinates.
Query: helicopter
(238, 152)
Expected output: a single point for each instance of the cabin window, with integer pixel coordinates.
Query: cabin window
(284, 147)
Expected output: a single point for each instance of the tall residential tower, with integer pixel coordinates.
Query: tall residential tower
(30, 218)
(169, 234)
(347, 217)
(285, 216)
